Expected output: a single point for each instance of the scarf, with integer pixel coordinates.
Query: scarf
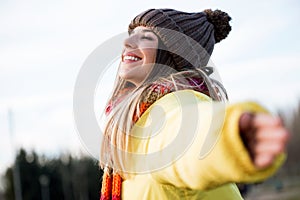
(111, 181)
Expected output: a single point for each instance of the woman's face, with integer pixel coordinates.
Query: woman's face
(139, 55)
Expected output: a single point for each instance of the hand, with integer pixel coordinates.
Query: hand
(264, 136)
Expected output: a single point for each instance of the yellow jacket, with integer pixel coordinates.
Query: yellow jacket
(187, 147)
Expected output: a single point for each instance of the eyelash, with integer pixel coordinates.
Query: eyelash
(147, 38)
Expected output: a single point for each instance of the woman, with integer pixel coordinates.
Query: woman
(169, 133)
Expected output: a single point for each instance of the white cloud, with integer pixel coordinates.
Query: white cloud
(36, 34)
(251, 37)
(6, 149)
(37, 101)
(273, 81)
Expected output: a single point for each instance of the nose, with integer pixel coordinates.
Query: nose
(131, 42)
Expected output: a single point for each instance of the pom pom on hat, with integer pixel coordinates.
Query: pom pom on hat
(220, 20)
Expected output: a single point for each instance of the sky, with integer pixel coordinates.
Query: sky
(43, 45)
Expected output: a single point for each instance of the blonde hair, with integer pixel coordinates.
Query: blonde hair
(124, 106)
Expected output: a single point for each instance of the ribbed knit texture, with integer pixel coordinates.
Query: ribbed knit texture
(111, 186)
(188, 36)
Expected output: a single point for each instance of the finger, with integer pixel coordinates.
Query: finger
(266, 120)
(272, 134)
(245, 122)
(263, 161)
(271, 148)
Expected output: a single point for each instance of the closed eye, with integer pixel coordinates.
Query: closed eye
(147, 38)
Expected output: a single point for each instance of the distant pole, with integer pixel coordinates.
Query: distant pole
(15, 169)
(44, 182)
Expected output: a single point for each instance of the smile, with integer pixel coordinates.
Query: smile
(131, 58)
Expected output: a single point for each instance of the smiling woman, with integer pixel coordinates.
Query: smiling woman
(169, 133)
(139, 55)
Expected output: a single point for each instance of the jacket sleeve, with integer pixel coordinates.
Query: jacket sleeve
(186, 140)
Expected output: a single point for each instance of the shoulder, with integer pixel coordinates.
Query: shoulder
(181, 97)
(178, 101)
(162, 91)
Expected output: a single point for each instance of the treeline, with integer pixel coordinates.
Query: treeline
(65, 177)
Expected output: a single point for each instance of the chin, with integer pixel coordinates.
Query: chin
(126, 77)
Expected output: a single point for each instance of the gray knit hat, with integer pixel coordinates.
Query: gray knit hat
(204, 28)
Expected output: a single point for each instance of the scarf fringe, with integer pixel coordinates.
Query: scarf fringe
(111, 186)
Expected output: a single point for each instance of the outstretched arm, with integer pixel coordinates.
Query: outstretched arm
(233, 157)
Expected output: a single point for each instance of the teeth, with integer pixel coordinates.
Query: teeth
(131, 58)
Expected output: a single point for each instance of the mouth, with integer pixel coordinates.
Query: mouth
(130, 57)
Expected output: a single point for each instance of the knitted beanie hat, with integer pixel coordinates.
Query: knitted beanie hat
(189, 37)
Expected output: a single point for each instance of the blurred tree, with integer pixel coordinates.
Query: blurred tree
(8, 192)
(292, 166)
(60, 178)
(28, 175)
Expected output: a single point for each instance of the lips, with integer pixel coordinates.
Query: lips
(130, 57)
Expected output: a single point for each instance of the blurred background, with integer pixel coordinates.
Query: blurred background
(43, 45)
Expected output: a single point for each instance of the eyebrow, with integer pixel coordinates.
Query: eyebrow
(147, 30)
(144, 31)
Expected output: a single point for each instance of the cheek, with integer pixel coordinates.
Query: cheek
(154, 55)
(151, 56)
